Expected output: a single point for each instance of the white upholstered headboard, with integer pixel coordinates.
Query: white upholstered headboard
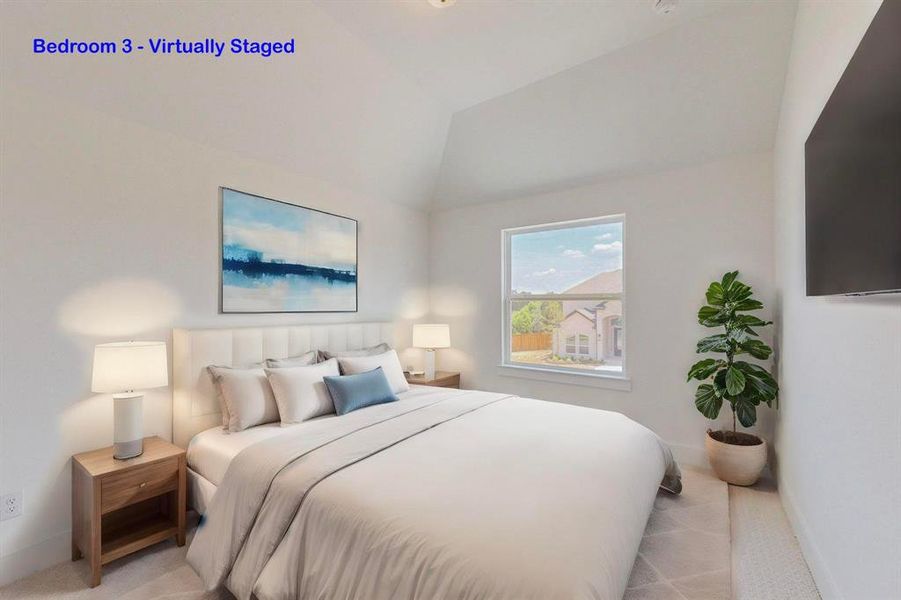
(195, 405)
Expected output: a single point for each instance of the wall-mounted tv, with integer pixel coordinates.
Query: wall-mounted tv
(853, 171)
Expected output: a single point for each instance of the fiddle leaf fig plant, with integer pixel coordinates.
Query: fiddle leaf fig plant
(744, 385)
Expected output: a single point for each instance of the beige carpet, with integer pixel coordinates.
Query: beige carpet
(767, 562)
(685, 555)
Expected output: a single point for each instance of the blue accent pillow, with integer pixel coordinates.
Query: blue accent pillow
(353, 392)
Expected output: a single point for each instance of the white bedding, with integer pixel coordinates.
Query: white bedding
(211, 452)
(444, 494)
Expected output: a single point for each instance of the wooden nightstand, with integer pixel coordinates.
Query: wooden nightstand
(448, 379)
(121, 506)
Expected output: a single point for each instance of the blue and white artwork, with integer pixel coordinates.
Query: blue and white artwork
(279, 257)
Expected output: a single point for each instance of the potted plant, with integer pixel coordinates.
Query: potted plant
(736, 457)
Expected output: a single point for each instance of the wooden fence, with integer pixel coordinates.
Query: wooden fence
(531, 341)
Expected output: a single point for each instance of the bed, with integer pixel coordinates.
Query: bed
(442, 494)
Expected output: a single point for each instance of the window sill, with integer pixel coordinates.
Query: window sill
(597, 380)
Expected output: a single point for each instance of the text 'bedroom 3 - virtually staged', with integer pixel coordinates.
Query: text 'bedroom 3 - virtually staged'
(450, 300)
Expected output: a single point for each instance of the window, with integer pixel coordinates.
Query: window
(563, 297)
(583, 344)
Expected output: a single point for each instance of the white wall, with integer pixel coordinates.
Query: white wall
(683, 229)
(109, 231)
(839, 426)
(707, 88)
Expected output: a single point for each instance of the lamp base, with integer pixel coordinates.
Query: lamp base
(123, 450)
(128, 426)
(429, 364)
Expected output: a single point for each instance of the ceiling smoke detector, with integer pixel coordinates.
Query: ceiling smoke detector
(441, 3)
(663, 7)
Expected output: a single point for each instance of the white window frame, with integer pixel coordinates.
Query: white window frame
(562, 374)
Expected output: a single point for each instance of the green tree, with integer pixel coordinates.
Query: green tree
(742, 384)
(551, 315)
(522, 320)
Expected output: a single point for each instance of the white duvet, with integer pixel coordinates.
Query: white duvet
(447, 494)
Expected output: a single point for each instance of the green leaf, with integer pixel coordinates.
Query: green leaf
(758, 382)
(704, 368)
(719, 383)
(756, 348)
(746, 413)
(728, 278)
(735, 381)
(748, 304)
(751, 321)
(710, 316)
(737, 335)
(707, 402)
(715, 294)
(737, 292)
(713, 343)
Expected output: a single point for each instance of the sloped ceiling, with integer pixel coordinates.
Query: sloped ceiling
(372, 99)
(476, 50)
(708, 88)
(335, 111)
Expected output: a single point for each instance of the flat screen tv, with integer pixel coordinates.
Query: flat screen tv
(853, 171)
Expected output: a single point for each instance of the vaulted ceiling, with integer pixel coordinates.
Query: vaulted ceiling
(429, 107)
(476, 50)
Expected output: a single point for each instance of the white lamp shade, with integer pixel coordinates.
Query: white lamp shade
(431, 336)
(127, 366)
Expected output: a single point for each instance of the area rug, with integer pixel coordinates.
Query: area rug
(686, 550)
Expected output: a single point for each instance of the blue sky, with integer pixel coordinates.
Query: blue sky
(553, 261)
(287, 232)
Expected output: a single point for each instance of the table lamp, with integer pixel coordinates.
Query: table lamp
(120, 369)
(431, 337)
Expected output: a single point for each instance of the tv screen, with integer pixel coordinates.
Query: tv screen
(853, 171)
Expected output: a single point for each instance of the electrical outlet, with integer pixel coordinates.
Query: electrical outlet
(10, 506)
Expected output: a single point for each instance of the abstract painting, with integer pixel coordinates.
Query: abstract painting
(280, 257)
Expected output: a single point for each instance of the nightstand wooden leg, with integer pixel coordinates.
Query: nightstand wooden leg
(76, 553)
(181, 501)
(95, 574)
(95, 536)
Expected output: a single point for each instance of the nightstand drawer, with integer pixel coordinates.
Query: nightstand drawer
(138, 484)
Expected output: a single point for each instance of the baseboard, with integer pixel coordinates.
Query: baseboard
(32, 559)
(821, 576)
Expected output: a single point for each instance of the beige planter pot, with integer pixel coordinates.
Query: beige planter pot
(738, 465)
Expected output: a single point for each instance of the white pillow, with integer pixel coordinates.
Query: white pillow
(389, 363)
(223, 407)
(308, 358)
(300, 392)
(247, 396)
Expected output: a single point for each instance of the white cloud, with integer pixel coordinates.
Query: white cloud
(611, 247)
(550, 271)
(316, 246)
(603, 236)
(574, 253)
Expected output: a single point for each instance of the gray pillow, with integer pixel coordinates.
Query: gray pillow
(307, 358)
(380, 349)
(247, 396)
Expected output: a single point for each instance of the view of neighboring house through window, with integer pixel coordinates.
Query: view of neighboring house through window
(563, 296)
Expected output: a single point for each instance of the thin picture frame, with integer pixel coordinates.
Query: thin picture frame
(220, 253)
